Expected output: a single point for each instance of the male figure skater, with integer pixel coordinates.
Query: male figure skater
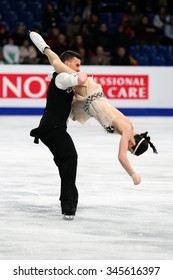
(52, 130)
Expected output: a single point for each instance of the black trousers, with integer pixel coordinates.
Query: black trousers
(65, 157)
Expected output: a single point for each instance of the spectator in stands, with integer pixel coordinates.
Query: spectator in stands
(51, 17)
(168, 32)
(44, 61)
(145, 32)
(28, 53)
(1, 56)
(85, 20)
(19, 35)
(3, 34)
(120, 38)
(78, 43)
(160, 19)
(89, 30)
(40, 59)
(62, 43)
(37, 28)
(11, 52)
(87, 10)
(100, 57)
(103, 37)
(92, 25)
(120, 57)
(84, 56)
(69, 8)
(127, 27)
(52, 38)
(73, 28)
(133, 15)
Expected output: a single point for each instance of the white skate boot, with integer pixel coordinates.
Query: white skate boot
(38, 41)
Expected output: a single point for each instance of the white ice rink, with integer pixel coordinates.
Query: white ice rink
(115, 220)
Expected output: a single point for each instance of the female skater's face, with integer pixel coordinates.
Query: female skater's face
(131, 144)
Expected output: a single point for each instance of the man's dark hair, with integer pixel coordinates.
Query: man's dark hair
(68, 55)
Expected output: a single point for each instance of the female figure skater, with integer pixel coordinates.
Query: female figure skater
(89, 101)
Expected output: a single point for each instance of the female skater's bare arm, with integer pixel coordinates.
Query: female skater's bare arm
(122, 156)
(126, 134)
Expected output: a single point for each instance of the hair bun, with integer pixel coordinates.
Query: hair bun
(147, 138)
(144, 135)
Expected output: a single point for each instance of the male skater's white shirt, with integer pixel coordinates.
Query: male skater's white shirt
(66, 81)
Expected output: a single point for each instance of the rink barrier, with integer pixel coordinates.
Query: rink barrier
(136, 91)
(166, 112)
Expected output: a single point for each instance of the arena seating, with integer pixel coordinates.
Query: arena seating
(30, 13)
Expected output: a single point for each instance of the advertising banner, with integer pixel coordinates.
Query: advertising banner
(134, 90)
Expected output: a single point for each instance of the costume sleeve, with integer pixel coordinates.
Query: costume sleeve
(65, 81)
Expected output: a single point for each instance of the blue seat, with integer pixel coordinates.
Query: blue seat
(33, 5)
(158, 61)
(149, 50)
(106, 17)
(35, 8)
(117, 18)
(19, 6)
(112, 27)
(134, 50)
(164, 50)
(170, 60)
(5, 8)
(11, 16)
(26, 17)
(33, 24)
(143, 60)
(13, 25)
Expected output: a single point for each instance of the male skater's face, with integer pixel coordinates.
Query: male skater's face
(74, 64)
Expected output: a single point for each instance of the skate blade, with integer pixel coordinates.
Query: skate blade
(68, 217)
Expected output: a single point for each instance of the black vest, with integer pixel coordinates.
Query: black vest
(58, 105)
(57, 110)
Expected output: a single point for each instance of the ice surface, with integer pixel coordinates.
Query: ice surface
(115, 219)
